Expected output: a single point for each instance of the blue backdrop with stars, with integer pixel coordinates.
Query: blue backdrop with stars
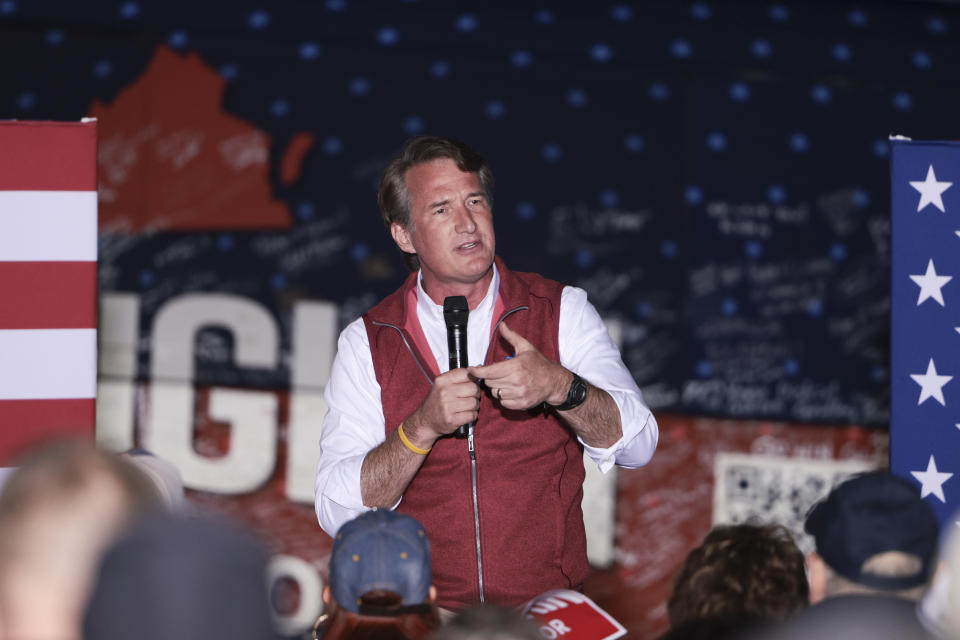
(714, 174)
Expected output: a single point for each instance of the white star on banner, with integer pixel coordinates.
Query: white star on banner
(931, 191)
(931, 384)
(932, 480)
(931, 284)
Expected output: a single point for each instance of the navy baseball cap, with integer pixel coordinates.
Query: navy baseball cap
(873, 513)
(380, 550)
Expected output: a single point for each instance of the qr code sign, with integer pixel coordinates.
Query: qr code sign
(772, 489)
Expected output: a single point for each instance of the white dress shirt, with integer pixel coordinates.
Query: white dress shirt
(354, 423)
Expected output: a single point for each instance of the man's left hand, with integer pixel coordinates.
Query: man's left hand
(527, 379)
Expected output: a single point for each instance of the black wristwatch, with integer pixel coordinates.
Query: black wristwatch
(575, 396)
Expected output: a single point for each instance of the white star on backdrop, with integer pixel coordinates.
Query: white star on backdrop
(931, 191)
(931, 284)
(932, 480)
(931, 384)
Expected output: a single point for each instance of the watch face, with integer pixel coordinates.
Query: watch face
(575, 395)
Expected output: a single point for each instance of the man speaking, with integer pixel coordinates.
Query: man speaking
(501, 506)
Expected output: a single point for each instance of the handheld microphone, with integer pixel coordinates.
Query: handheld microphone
(455, 313)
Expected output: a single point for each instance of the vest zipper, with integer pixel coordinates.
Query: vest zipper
(476, 508)
(473, 467)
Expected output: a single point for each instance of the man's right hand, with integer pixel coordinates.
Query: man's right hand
(387, 469)
(453, 400)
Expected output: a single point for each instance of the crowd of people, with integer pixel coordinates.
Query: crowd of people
(874, 573)
(450, 478)
(96, 545)
(869, 575)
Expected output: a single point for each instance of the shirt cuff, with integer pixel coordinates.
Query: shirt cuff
(336, 507)
(605, 458)
(634, 418)
(340, 498)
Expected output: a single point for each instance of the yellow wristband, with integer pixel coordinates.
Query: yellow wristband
(410, 445)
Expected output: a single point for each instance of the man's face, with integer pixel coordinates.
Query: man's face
(451, 227)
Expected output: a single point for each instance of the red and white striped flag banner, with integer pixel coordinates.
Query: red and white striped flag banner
(48, 282)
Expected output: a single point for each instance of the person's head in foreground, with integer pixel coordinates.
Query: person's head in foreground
(875, 540)
(488, 623)
(189, 578)
(62, 506)
(873, 534)
(380, 580)
(746, 572)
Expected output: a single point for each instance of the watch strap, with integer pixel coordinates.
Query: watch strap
(576, 394)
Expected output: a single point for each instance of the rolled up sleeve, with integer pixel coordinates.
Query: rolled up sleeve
(353, 425)
(587, 349)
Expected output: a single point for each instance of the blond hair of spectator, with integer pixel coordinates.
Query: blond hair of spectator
(59, 510)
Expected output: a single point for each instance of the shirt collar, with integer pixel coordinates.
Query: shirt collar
(426, 307)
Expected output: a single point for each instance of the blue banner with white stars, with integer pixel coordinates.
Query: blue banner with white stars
(925, 319)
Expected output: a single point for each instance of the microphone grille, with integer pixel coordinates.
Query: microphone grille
(455, 310)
